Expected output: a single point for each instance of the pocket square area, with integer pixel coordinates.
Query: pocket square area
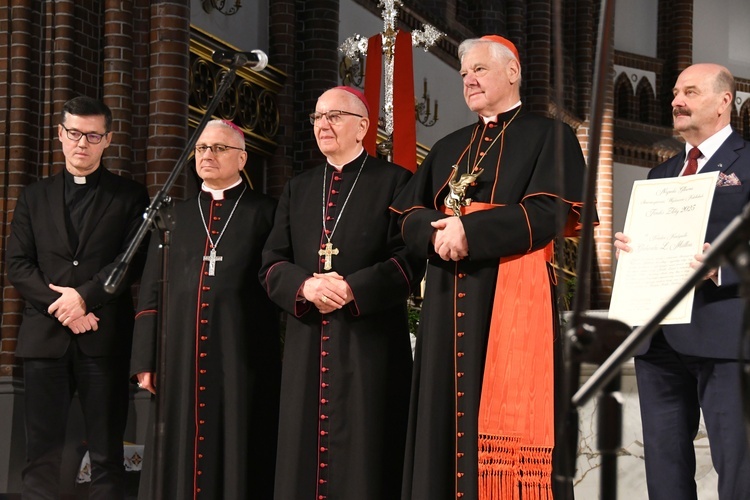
(727, 180)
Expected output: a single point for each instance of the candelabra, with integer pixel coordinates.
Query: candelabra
(422, 109)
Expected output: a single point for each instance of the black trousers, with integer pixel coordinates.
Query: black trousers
(673, 390)
(102, 385)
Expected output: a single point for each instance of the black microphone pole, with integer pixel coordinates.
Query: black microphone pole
(580, 336)
(159, 205)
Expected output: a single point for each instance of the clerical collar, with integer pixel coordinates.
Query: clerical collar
(340, 167)
(218, 194)
(90, 180)
(488, 119)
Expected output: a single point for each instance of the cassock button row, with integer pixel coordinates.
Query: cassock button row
(202, 388)
(324, 354)
(218, 204)
(200, 472)
(324, 339)
(487, 139)
(323, 385)
(323, 433)
(461, 275)
(460, 314)
(325, 369)
(460, 354)
(324, 417)
(459, 414)
(323, 449)
(323, 465)
(325, 321)
(214, 231)
(460, 374)
(202, 405)
(460, 334)
(204, 337)
(460, 394)
(460, 434)
(204, 305)
(202, 372)
(201, 438)
(205, 288)
(324, 401)
(216, 217)
(460, 455)
(459, 495)
(203, 355)
(461, 295)
(322, 481)
(331, 204)
(460, 474)
(204, 321)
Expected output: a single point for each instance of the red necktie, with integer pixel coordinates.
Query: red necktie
(692, 164)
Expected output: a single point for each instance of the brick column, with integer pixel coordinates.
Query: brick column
(282, 40)
(168, 92)
(317, 70)
(118, 82)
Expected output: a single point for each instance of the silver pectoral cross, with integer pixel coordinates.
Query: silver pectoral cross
(212, 259)
(328, 252)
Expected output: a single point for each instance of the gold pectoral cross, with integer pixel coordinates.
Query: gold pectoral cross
(212, 259)
(328, 252)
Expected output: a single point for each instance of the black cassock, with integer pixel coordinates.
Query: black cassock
(519, 179)
(222, 355)
(346, 375)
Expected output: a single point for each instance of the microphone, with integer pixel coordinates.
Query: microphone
(257, 59)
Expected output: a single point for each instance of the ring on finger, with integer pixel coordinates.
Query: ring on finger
(324, 299)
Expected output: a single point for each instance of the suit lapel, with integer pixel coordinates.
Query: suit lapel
(104, 195)
(725, 156)
(55, 198)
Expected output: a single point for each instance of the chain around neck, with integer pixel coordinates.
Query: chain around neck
(205, 226)
(341, 212)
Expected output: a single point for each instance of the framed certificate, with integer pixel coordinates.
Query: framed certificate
(666, 223)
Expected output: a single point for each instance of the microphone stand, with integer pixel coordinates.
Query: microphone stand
(590, 339)
(158, 215)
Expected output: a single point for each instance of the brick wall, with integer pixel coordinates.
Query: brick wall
(133, 55)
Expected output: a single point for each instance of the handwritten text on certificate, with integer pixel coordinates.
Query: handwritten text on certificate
(666, 223)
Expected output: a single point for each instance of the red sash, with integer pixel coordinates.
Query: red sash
(516, 411)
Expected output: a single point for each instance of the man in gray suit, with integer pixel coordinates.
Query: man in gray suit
(68, 232)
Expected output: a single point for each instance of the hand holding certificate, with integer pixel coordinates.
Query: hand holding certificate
(666, 223)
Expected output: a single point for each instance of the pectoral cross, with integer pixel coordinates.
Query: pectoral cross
(212, 259)
(329, 252)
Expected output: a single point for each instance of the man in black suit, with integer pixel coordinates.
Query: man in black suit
(689, 368)
(67, 234)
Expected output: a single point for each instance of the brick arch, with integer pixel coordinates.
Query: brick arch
(623, 97)
(645, 97)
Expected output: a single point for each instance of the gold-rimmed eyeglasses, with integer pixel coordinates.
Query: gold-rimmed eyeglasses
(216, 149)
(333, 116)
(91, 137)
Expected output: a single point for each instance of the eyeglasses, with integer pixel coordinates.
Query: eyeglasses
(216, 149)
(91, 137)
(333, 116)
